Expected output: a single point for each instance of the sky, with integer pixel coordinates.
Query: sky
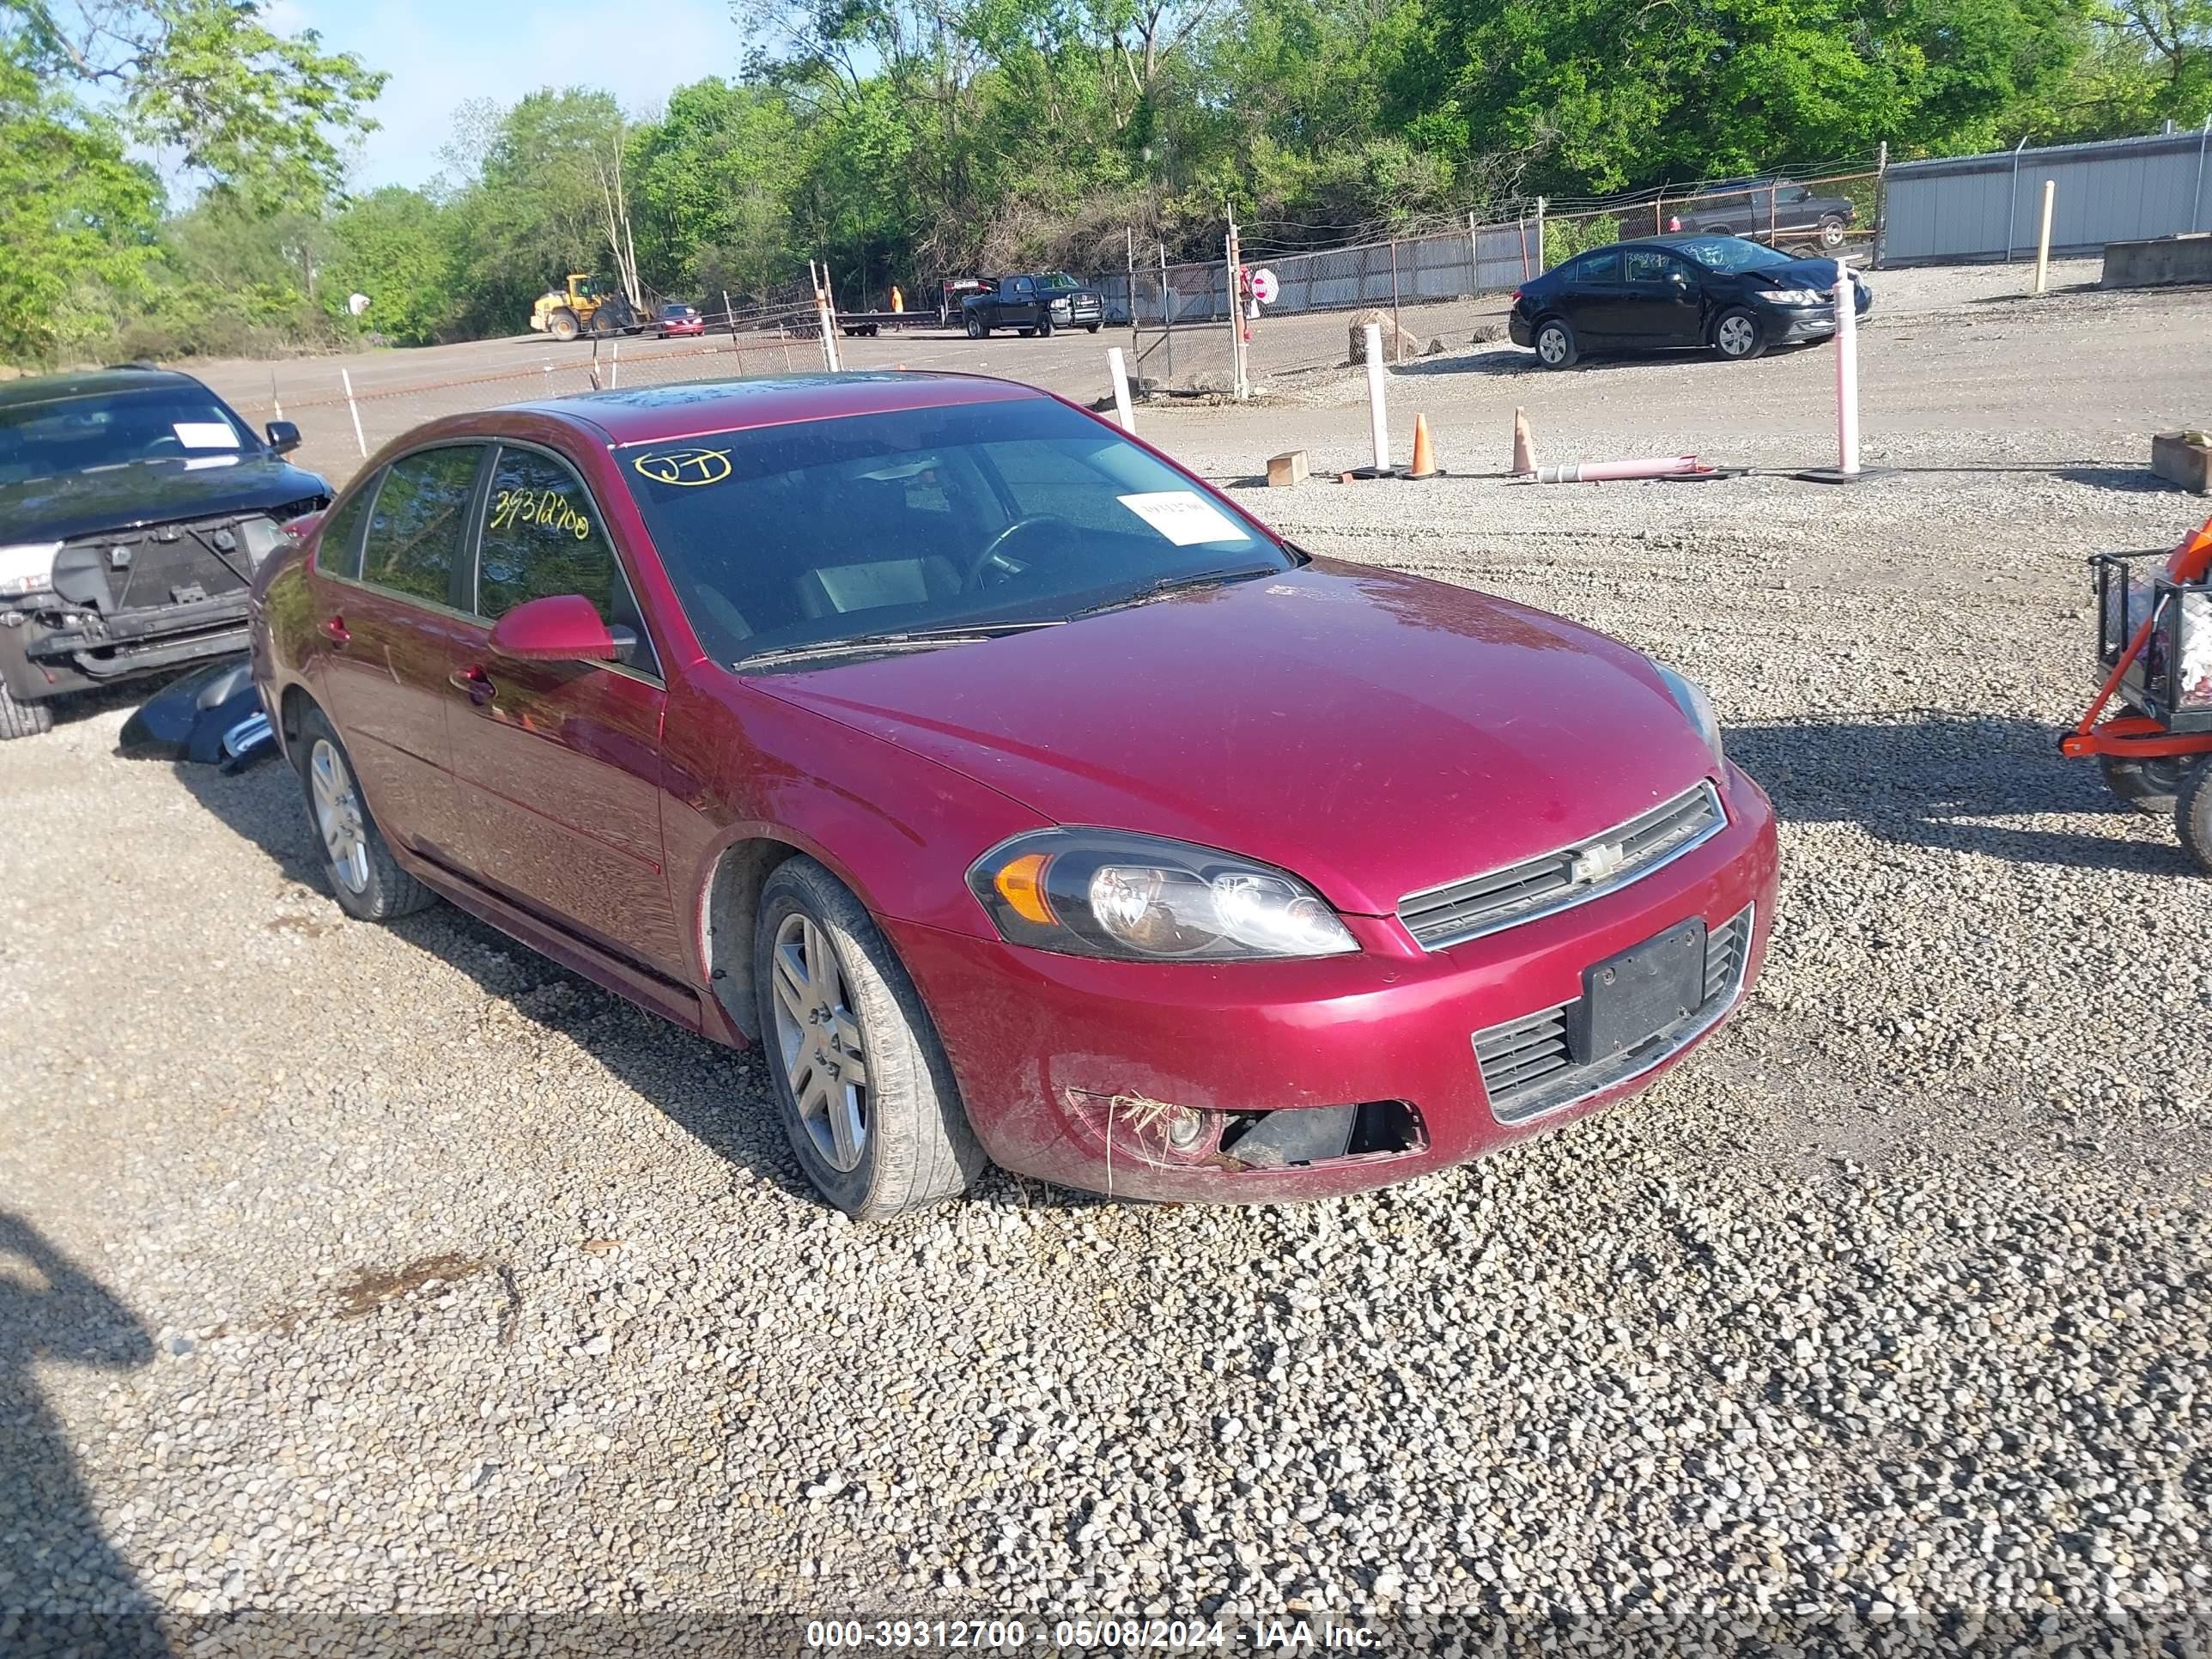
(439, 54)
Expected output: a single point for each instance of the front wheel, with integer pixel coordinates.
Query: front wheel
(1738, 336)
(23, 720)
(1044, 326)
(1556, 345)
(366, 880)
(2192, 815)
(977, 328)
(2150, 787)
(1090, 328)
(862, 1081)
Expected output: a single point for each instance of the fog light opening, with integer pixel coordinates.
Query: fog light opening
(1186, 1129)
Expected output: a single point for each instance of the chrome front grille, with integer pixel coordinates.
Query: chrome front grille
(1452, 915)
(1529, 1067)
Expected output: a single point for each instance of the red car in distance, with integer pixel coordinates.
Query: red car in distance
(678, 321)
(1024, 798)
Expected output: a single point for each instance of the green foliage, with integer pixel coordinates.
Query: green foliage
(903, 140)
(1564, 238)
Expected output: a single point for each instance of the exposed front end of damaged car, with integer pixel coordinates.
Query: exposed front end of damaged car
(108, 606)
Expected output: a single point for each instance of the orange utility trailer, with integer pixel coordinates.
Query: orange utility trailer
(2154, 639)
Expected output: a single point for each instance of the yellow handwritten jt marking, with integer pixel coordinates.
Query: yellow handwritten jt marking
(546, 507)
(689, 468)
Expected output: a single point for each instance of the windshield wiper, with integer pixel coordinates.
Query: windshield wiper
(899, 639)
(1159, 587)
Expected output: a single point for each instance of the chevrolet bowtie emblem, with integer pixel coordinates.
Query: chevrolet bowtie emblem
(1594, 864)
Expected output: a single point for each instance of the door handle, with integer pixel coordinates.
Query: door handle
(334, 630)
(474, 681)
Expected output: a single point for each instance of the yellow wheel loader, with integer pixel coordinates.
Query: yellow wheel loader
(584, 309)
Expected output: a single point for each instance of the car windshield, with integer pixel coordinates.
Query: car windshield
(676, 311)
(966, 517)
(1057, 279)
(185, 424)
(1732, 253)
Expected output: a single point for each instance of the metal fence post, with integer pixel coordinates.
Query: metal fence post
(1167, 309)
(2197, 202)
(1880, 199)
(1541, 267)
(1397, 329)
(2012, 208)
(1473, 257)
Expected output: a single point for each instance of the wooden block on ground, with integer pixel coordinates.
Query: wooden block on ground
(2181, 457)
(1287, 469)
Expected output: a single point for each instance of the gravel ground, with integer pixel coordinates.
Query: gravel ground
(366, 1287)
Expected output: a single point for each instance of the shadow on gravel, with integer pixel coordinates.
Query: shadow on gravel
(1920, 779)
(75, 1593)
(722, 1099)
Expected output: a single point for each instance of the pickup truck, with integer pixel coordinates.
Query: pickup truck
(1765, 210)
(1032, 304)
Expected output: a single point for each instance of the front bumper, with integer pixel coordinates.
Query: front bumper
(1787, 325)
(40, 660)
(1064, 1063)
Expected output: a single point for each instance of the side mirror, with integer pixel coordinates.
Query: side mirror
(559, 628)
(283, 437)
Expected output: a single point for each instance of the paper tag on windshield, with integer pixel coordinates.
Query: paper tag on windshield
(206, 435)
(1184, 518)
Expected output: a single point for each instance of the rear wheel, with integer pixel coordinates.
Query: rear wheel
(1738, 336)
(977, 328)
(1090, 328)
(23, 720)
(1026, 333)
(2151, 787)
(364, 877)
(1044, 326)
(2192, 815)
(1832, 231)
(1556, 345)
(862, 1081)
(562, 324)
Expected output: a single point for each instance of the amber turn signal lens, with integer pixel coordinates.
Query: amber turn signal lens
(1021, 884)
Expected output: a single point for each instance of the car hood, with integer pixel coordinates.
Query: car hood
(1373, 733)
(1816, 274)
(120, 498)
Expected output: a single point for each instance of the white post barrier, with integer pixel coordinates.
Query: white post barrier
(1847, 373)
(360, 442)
(1117, 365)
(1378, 423)
(2043, 236)
(614, 365)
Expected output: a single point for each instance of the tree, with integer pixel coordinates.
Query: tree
(394, 247)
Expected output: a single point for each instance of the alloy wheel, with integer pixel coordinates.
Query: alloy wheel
(819, 1041)
(338, 815)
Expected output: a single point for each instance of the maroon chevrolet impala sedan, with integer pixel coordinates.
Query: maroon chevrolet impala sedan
(1021, 795)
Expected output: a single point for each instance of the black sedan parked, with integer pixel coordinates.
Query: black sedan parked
(1662, 293)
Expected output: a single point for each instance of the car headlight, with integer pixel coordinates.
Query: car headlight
(1108, 893)
(1797, 297)
(262, 537)
(1697, 706)
(27, 568)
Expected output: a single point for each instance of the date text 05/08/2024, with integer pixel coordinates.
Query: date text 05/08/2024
(1284, 1636)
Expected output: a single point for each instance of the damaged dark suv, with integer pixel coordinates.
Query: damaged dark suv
(135, 506)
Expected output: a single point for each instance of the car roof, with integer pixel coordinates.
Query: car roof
(651, 414)
(92, 382)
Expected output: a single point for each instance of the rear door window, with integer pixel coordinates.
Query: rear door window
(415, 531)
(1603, 266)
(337, 551)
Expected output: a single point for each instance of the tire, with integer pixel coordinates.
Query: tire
(1044, 326)
(1090, 328)
(1026, 333)
(1738, 336)
(1717, 230)
(1556, 345)
(562, 325)
(2152, 787)
(2192, 815)
(1832, 231)
(23, 720)
(977, 328)
(364, 878)
(901, 1140)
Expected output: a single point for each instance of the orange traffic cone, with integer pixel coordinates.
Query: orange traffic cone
(1524, 445)
(1425, 462)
